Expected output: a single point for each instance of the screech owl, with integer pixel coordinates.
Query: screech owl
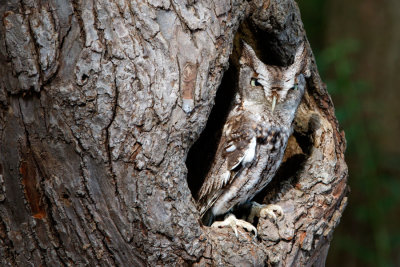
(255, 134)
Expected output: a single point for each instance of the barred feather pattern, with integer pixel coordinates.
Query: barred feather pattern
(245, 180)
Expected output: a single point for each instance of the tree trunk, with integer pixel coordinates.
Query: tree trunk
(101, 102)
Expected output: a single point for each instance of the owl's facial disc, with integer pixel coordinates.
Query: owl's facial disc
(275, 90)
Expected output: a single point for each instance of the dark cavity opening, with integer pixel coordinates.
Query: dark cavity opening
(272, 51)
(202, 153)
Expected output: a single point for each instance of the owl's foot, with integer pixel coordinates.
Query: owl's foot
(232, 222)
(264, 210)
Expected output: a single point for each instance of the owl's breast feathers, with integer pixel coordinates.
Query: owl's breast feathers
(237, 150)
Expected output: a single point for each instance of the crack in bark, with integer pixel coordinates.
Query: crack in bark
(107, 143)
(182, 20)
(92, 252)
(77, 12)
(51, 225)
(34, 42)
(9, 248)
(89, 212)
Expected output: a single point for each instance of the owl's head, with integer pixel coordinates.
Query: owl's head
(279, 85)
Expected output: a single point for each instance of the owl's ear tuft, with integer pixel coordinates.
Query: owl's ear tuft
(300, 52)
(248, 55)
(300, 59)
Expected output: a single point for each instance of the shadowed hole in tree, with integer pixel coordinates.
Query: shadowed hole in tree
(201, 154)
(84, 77)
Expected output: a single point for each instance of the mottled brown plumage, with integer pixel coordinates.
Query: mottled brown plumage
(255, 134)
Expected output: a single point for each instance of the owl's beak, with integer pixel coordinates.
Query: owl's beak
(273, 102)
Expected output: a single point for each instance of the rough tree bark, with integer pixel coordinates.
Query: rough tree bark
(101, 102)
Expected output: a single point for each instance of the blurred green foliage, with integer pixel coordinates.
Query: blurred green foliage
(369, 233)
(371, 200)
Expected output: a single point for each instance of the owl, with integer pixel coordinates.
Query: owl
(254, 138)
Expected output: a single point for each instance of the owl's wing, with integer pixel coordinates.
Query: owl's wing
(236, 149)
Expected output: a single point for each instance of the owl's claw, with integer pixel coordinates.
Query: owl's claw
(233, 223)
(263, 211)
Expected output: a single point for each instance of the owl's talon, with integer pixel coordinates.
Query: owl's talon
(263, 211)
(271, 211)
(232, 222)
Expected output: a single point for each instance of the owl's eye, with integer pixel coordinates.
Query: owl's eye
(254, 82)
(295, 87)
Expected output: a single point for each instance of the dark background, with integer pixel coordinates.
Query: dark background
(357, 47)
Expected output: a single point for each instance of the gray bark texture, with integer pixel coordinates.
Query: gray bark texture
(100, 103)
